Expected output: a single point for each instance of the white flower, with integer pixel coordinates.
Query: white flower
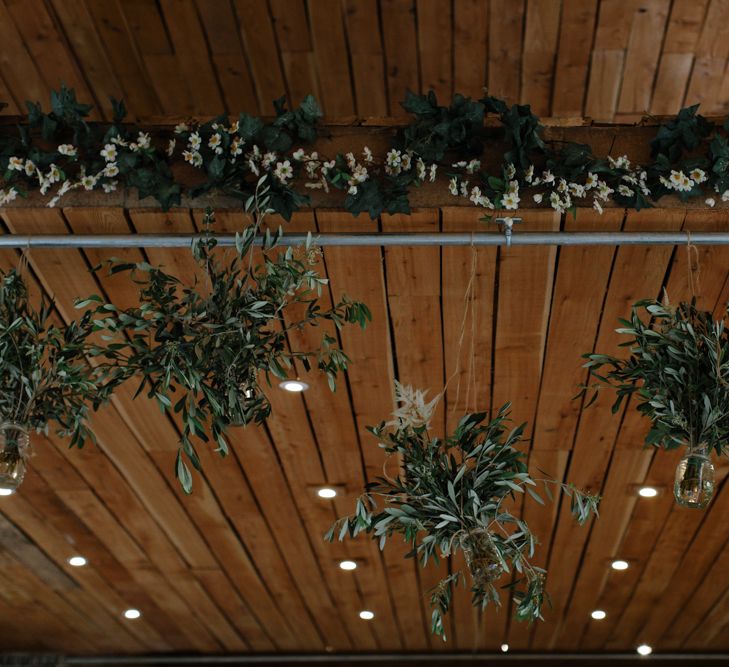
(111, 170)
(464, 188)
(420, 168)
(604, 190)
(236, 147)
(529, 173)
(367, 153)
(360, 174)
(393, 158)
(453, 187)
(548, 176)
(597, 205)
(54, 174)
(620, 163)
(475, 194)
(405, 162)
(352, 190)
(29, 167)
(268, 160)
(562, 187)
(67, 149)
(214, 143)
(538, 198)
(253, 167)
(233, 128)
(171, 147)
(433, 171)
(556, 202)
(510, 201)
(88, 182)
(298, 154)
(143, 140)
(413, 411)
(698, 175)
(118, 141)
(577, 190)
(681, 182)
(65, 187)
(193, 157)
(510, 171)
(513, 188)
(590, 181)
(473, 166)
(108, 152)
(284, 171)
(7, 197)
(52, 203)
(459, 165)
(625, 191)
(16, 164)
(725, 195)
(109, 186)
(181, 127)
(194, 141)
(327, 166)
(710, 201)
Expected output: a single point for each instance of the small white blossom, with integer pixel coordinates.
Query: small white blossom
(405, 162)
(194, 141)
(16, 164)
(597, 205)
(268, 159)
(510, 201)
(359, 175)
(367, 154)
(590, 181)
(538, 198)
(529, 173)
(625, 191)
(214, 143)
(109, 186)
(725, 195)
(88, 182)
(710, 201)
(109, 152)
(54, 174)
(510, 171)
(548, 176)
(67, 149)
(29, 167)
(171, 147)
(433, 172)
(181, 127)
(620, 163)
(698, 175)
(413, 411)
(118, 141)
(298, 154)
(352, 190)
(464, 188)
(111, 170)
(236, 147)
(253, 167)
(473, 166)
(143, 140)
(420, 169)
(7, 196)
(284, 171)
(453, 187)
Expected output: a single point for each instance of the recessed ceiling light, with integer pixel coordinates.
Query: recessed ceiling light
(366, 615)
(132, 613)
(620, 565)
(326, 492)
(504, 648)
(348, 565)
(644, 649)
(598, 614)
(294, 385)
(6, 492)
(77, 561)
(648, 492)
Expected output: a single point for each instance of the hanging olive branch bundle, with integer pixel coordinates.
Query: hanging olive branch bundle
(46, 374)
(208, 351)
(678, 370)
(451, 495)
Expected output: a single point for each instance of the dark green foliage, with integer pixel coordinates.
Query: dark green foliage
(678, 371)
(447, 491)
(46, 375)
(206, 351)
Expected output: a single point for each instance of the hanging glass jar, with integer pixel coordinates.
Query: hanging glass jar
(481, 557)
(694, 483)
(14, 451)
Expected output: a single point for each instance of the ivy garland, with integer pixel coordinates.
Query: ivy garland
(59, 151)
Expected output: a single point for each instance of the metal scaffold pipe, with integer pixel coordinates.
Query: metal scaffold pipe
(374, 239)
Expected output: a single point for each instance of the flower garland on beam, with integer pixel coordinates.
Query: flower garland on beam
(58, 152)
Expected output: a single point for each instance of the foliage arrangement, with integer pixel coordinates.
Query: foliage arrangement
(60, 151)
(678, 369)
(454, 494)
(206, 350)
(46, 374)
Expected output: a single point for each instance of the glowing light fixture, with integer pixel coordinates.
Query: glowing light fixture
(294, 385)
(598, 614)
(348, 565)
(77, 561)
(620, 565)
(366, 615)
(644, 649)
(648, 492)
(326, 492)
(504, 648)
(131, 614)
(6, 492)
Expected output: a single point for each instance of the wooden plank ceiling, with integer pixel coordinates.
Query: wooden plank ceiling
(607, 59)
(239, 566)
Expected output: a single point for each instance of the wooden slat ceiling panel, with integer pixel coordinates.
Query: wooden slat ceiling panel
(239, 565)
(607, 59)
